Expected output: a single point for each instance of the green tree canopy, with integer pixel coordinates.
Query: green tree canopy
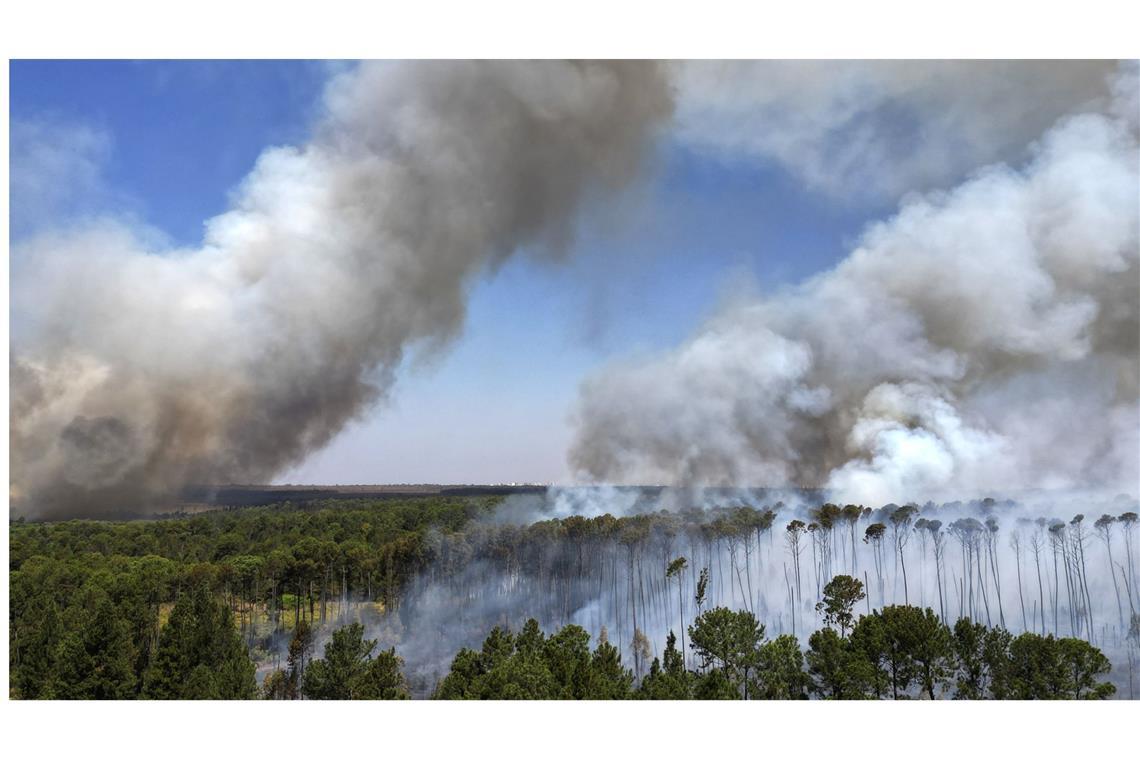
(349, 670)
(728, 640)
(840, 596)
(780, 670)
(200, 653)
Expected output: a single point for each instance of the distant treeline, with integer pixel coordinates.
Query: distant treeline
(247, 496)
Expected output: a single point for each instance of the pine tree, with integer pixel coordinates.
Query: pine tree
(837, 670)
(349, 671)
(671, 681)
(95, 660)
(200, 653)
(780, 671)
(840, 596)
(607, 678)
(729, 641)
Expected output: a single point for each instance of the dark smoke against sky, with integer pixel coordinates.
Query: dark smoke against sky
(140, 371)
(135, 373)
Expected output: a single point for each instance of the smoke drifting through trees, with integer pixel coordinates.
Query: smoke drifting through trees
(951, 353)
(982, 340)
(138, 371)
(772, 559)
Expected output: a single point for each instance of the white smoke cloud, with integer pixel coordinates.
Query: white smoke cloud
(142, 370)
(882, 127)
(984, 317)
(982, 338)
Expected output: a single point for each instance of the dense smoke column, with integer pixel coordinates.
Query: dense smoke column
(138, 371)
(947, 355)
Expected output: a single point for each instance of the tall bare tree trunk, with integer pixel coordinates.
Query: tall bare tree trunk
(1020, 595)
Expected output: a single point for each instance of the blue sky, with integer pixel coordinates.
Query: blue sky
(176, 137)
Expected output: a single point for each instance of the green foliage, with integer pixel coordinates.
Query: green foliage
(263, 560)
(1042, 667)
(200, 654)
(463, 680)
(728, 640)
(607, 679)
(676, 567)
(1034, 670)
(702, 587)
(904, 645)
(973, 677)
(671, 681)
(889, 652)
(780, 671)
(349, 671)
(994, 664)
(567, 655)
(530, 666)
(277, 686)
(715, 685)
(838, 670)
(95, 659)
(87, 599)
(902, 516)
(840, 596)
(300, 649)
(36, 636)
(870, 651)
(930, 648)
(1083, 663)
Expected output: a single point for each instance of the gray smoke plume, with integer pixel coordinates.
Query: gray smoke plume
(874, 130)
(137, 371)
(984, 339)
